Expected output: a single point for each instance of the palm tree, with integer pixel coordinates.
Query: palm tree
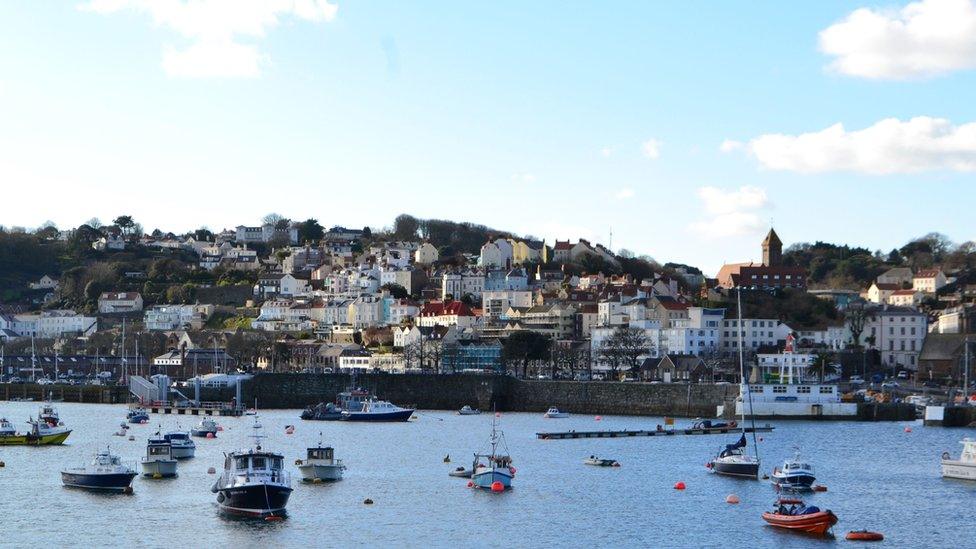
(824, 362)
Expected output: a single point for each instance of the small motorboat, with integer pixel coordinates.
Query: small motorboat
(206, 428)
(181, 443)
(461, 472)
(158, 461)
(378, 410)
(123, 430)
(795, 474)
(106, 472)
(963, 468)
(468, 411)
(601, 462)
(554, 413)
(733, 461)
(137, 415)
(793, 514)
(496, 472)
(49, 414)
(320, 464)
(323, 411)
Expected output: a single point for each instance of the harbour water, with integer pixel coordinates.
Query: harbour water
(878, 477)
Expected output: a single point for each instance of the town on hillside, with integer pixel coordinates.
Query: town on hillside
(98, 302)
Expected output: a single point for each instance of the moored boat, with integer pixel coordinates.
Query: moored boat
(323, 411)
(963, 468)
(320, 464)
(158, 461)
(795, 474)
(106, 472)
(792, 514)
(182, 445)
(206, 428)
(39, 434)
(468, 411)
(601, 462)
(493, 471)
(254, 482)
(378, 410)
(49, 414)
(137, 415)
(554, 413)
(733, 461)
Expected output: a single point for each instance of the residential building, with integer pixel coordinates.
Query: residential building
(906, 298)
(958, 320)
(460, 284)
(675, 367)
(177, 317)
(119, 302)
(899, 276)
(929, 281)
(426, 254)
(46, 282)
(496, 254)
(47, 324)
(446, 313)
(897, 332)
(496, 303)
(755, 332)
(266, 233)
(881, 292)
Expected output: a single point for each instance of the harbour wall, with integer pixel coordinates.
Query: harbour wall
(90, 394)
(450, 392)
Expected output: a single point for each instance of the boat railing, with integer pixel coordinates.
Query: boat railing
(281, 476)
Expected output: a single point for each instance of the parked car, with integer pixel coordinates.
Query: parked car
(902, 374)
(44, 381)
(932, 385)
(890, 384)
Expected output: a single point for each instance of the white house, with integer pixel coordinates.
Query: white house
(426, 254)
(906, 298)
(459, 284)
(54, 323)
(756, 332)
(879, 292)
(929, 281)
(496, 254)
(176, 317)
(45, 283)
(111, 242)
(897, 332)
(119, 302)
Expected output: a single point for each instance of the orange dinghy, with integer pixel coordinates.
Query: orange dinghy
(792, 514)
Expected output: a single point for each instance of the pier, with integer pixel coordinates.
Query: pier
(651, 433)
(194, 408)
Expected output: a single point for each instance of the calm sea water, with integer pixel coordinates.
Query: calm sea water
(879, 477)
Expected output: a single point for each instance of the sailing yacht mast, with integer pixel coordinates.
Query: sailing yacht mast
(743, 384)
(33, 358)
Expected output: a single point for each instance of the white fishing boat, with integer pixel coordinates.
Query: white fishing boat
(183, 445)
(468, 411)
(320, 464)
(106, 472)
(554, 413)
(158, 461)
(206, 428)
(493, 471)
(963, 468)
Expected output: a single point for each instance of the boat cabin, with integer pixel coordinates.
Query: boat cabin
(106, 461)
(353, 400)
(158, 449)
(255, 464)
(325, 454)
(6, 428)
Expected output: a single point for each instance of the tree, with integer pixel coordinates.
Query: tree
(624, 348)
(94, 223)
(310, 231)
(405, 227)
(203, 234)
(367, 233)
(396, 291)
(524, 346)
(47, 231)
(825, 364)
(856, 317)
(124, 222)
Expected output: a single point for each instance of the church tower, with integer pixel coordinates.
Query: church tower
(772, 248)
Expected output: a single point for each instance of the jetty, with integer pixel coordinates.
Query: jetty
(563, 435)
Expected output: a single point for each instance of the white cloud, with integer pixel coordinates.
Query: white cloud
(889, 146)
(922, 39)
(730, 212)
(213, 29)
(730, 145)
(651, 148)
(523, 177)
(605, 152)
(624, 193)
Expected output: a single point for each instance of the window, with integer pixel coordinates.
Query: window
(803, 389)
(756, 388)
(779, 388)
(826, 390)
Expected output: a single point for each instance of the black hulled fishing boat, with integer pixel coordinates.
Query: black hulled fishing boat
(254, 482)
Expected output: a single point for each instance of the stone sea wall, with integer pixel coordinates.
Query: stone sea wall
(92, 394)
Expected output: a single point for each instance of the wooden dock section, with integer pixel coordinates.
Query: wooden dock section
(651, 433)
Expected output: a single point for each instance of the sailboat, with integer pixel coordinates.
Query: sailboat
(493, 471)
(733, 460)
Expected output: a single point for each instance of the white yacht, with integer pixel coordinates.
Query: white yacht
(963, 468)
(7, 429)
(158, 461)
(183, 445)
(795, 474)
(321, 465)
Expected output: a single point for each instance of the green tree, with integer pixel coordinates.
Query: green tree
(396, 291)
(124, 222)
(310, 231)
(524, 346)
(405, 227)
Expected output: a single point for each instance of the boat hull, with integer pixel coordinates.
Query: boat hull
(469, 412)
(328, 473)
(816, 524)
(256, 500)
(32, 440)
(958, 470)
(794, 482)
(399, 415)
(110, 482)
(202, 433)
(735, 469)
(183, 452)
(484, 477)
(164, 468)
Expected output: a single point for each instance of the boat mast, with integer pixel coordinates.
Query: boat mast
(744, 384)
(33, 358)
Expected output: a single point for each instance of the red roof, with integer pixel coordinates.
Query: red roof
(441, 308)
(928, 273)
(889, 287)
(562, 245)
(904, 292)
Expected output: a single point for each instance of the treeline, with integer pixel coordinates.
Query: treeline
(853, 267)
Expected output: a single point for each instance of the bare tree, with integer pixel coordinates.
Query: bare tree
(856, 317)
(624, 348)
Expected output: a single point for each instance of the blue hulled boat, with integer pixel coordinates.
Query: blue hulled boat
(137, 415)
(106, 472)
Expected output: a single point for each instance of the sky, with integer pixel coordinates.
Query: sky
(686, 129)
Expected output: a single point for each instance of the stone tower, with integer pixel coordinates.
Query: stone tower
(772, 248)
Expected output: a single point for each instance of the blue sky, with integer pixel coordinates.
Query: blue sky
(553, 119)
